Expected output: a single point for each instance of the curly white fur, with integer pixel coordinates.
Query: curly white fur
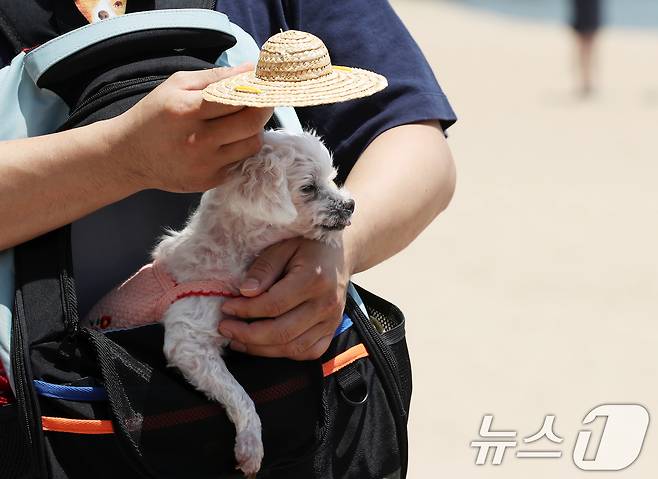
(286, 190)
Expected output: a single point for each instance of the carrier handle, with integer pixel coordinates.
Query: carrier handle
(42, 58)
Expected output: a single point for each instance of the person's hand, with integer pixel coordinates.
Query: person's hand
(176, 141)
(300, 286)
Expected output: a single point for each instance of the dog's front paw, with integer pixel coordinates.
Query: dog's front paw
(249, 452)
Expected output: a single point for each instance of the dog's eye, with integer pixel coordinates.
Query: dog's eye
(308, 189)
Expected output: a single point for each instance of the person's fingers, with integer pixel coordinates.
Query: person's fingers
(310, 345)
(209, 110)
(191, 103)
(229, 154)
(268, 267)
(199, 79)
(282, 297)
(193, 83)
(240, 150)
(237, 126)
(274, 332)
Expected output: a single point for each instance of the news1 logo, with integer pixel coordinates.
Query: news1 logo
(619, 445)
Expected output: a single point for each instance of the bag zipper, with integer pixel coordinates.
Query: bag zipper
(381, 354)
(109, 93)
(382, 350)
(69, 343)
(24, 393)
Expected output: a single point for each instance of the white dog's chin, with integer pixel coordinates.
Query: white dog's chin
(332, 237)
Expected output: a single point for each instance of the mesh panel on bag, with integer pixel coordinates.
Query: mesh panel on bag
(122, 373)
(153, 406)
(404, 370)
(388, 322)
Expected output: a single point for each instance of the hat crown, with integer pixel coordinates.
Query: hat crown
(293, 56)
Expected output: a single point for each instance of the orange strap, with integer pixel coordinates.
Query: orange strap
(343, 359)
(77, 426)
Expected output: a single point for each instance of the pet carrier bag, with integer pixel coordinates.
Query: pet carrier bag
(93, 405)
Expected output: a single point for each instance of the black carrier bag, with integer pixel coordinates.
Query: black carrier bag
(93, 405)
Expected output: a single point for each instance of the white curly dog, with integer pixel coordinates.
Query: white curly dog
(286, 190)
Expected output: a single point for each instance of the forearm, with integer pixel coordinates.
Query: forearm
(52, 180)
(401, 182)
(171, 140)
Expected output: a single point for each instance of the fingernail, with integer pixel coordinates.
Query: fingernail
(225, 332)
(236, 346)
(250, 284)
(228, 310)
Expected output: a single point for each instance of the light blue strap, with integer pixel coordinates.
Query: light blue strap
(347, 323)
(39, 60)
(70, 393)
(25, 109)
(351, 290)
(247, 51)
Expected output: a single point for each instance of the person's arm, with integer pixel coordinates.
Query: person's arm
(171, 140)
(400, 183)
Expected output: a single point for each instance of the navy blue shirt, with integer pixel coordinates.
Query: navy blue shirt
(112, 243)
(359, 33)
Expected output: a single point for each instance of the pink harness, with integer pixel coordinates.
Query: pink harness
(145, 296)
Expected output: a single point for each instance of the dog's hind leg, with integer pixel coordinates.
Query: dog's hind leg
(193, 344)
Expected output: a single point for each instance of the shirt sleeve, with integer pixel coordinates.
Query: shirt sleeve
(369, 34)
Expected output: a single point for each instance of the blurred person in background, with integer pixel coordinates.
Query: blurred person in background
(586, 21)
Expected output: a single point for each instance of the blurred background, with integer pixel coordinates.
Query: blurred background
(536, 292)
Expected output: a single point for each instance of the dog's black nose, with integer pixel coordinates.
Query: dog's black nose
(348, 206)
(103, 15)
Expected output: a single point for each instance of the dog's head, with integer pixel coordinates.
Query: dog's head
(97, 10)
(289, 184)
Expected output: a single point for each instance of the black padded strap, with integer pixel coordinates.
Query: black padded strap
(9, 32)
(29, 23)
(207, 4)
(142, 5)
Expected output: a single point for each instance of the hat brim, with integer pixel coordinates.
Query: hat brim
(341, 84)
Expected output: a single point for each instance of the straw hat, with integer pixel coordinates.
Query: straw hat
(294, 69)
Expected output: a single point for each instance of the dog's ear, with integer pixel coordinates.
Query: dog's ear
(261, 189)
(86, 7)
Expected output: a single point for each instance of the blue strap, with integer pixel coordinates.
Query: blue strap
(70, 393)
(344, 325)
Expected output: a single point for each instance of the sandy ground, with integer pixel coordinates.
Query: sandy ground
(535, 293)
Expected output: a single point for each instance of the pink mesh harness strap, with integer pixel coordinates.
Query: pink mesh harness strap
(174, 291)
(145, 296)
